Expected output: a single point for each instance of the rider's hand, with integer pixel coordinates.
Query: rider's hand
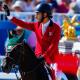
(6, 9)
(54, 66)
(41, 58)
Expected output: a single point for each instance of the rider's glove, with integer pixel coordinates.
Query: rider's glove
(6, 9)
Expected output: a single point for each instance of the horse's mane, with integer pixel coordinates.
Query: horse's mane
(28, 60)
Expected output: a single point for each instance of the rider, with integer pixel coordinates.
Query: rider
(47, 32)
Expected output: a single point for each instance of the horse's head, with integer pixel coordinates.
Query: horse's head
(21, 55)
(11, 59)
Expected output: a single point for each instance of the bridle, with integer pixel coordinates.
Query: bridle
(14, 66)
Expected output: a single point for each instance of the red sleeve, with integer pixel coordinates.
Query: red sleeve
(26, 25)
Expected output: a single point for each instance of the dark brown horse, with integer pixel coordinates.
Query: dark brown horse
(30, 67)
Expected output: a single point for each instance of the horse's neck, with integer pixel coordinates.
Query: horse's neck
(28, 58)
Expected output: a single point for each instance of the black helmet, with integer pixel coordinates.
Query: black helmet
(44, 7)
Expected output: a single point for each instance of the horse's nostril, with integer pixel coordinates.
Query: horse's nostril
(6, 69)
(3, 68)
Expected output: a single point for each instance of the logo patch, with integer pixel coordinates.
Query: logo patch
(50, 33)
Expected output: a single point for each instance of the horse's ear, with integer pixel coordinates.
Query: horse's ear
(11, 34)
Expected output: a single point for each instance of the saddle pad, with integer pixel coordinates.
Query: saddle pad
(67, 63)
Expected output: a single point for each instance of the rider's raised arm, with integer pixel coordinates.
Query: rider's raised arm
(16, 21)
(26, 25)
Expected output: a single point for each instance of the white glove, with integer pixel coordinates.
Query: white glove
(54, 66)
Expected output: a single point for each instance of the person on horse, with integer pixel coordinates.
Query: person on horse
(47, 32)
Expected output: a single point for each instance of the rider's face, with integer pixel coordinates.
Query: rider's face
(38, 16)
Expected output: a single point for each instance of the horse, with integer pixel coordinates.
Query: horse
(30, 67)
